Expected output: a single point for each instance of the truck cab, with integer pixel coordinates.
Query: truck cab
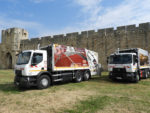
(29, 64)
(123, 60)
(122, 65)
(129, 64)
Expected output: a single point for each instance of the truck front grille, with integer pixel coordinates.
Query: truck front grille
(119, 70)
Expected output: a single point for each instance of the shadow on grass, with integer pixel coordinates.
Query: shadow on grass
(105, 78)
(9, 88)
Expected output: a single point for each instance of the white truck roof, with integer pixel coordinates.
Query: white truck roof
(123, 53)
(33, 50)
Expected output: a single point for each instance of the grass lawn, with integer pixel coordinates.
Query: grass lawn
(98, 95)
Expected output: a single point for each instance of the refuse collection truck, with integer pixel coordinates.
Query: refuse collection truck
(44, 66)
(129, 64)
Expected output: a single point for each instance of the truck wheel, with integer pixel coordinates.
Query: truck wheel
(146, 75)
(137, 78)
(148, 72)
(43, 82)
(78, 76)
(86, 76)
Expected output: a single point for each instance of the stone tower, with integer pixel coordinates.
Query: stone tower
(10, 46)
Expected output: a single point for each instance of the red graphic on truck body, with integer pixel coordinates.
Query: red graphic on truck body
(65, 56)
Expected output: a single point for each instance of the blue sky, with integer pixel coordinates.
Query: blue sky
(50, 17)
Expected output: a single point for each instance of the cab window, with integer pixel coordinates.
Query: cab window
(37, 58)
(134, 59)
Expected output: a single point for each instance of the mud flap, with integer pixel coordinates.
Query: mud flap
(98, 69)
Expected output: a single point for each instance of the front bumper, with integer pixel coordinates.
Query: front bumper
(125, 76)
(24, 81)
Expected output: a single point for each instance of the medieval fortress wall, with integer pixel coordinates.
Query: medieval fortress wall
(10, 46)
(103, 41)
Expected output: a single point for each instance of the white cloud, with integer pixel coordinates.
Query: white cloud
(128, 12)
(6, 23)
(88, 4)
(89, 7)
(35, 29)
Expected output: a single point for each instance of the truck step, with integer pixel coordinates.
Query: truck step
(58, 80)
(55, 75)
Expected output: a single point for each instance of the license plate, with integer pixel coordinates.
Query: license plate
(119, 78)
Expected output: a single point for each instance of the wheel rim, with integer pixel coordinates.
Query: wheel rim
(146, 75)
(87, 75)
(79, 77)
(138, 77)
(44, 82)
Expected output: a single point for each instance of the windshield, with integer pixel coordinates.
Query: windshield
(120, 59)
(23, 58)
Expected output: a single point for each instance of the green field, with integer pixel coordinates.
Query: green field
(98, 95)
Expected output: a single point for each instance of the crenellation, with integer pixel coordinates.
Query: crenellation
(25, 41)
(101, 32)
(74, 34)
(8, 30)
(84, 33)
(131, 27)
(58, 36)
(145, 26)
(121, 28)
(109, 30)
(34, 40)
(91, 32)
(46, 38)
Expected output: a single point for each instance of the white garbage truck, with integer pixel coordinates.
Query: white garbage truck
(44, 66)
(129, 64)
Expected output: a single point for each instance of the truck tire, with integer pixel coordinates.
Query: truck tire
(146, 74)
(86, 76)
(78, 76)
(137, 78)
(43, 82)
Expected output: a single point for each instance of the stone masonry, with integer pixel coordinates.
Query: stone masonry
(103, 41)
(10, 46)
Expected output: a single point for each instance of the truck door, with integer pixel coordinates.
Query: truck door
(38, 63)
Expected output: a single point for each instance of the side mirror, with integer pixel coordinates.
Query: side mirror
(136, 59)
